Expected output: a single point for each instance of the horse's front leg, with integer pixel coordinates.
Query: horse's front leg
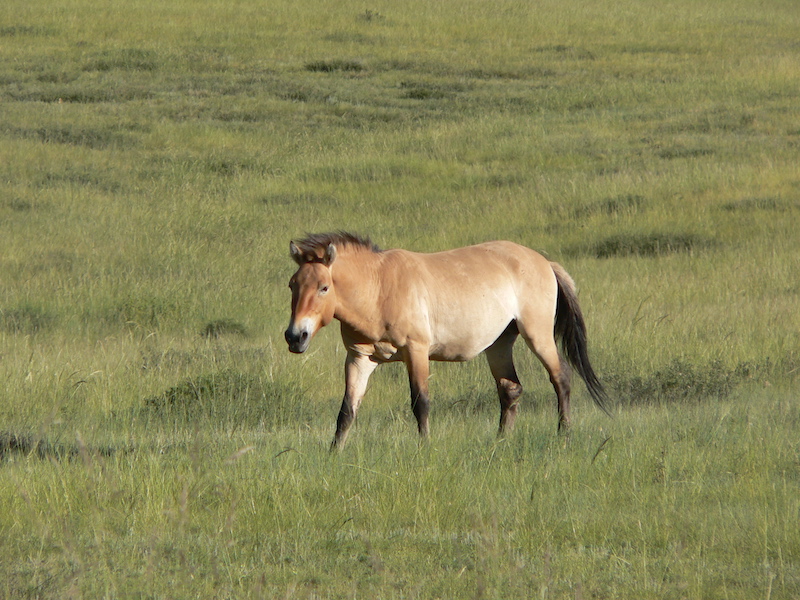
(416, 359)
(357, 369)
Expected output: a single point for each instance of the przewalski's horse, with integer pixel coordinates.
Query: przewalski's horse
(397, 305)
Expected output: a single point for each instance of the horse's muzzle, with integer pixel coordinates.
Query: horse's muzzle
(298, 340)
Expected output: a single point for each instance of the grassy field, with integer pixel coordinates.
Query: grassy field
(157, 440)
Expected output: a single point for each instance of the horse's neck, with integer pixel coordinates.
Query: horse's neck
(356, 280)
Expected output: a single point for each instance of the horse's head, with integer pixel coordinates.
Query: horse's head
(313, 297)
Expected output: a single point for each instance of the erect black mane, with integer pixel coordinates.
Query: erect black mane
(314, 243)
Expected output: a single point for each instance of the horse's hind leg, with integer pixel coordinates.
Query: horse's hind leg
(541, 341)
(501, 363)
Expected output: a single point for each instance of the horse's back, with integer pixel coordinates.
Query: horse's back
(470, 269)
(500, 263)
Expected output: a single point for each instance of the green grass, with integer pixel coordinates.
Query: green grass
(158, 441)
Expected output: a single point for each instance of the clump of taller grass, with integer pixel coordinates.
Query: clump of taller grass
(336, 64)
(230, 397)
(223, 327)
(26, 319)
(682, 381)
(645, 244)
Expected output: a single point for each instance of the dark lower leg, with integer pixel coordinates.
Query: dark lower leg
(509, 392)
(421, 406)
(343, 424)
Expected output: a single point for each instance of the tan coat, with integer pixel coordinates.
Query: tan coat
(400, 305)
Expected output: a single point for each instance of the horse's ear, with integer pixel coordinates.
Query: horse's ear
(297, 255)
(330, 255)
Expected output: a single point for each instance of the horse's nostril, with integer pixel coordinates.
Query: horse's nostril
(303, 336)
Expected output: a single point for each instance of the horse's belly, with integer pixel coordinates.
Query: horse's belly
(462, 342)
(466, 326)
(452, 354)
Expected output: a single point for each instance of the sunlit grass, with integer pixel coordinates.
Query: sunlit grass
(156, 438)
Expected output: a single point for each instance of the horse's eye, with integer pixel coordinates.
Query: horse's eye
(323, 289)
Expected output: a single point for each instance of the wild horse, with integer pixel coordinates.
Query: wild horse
(397, 305)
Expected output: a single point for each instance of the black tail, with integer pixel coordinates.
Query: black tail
(570, 328)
